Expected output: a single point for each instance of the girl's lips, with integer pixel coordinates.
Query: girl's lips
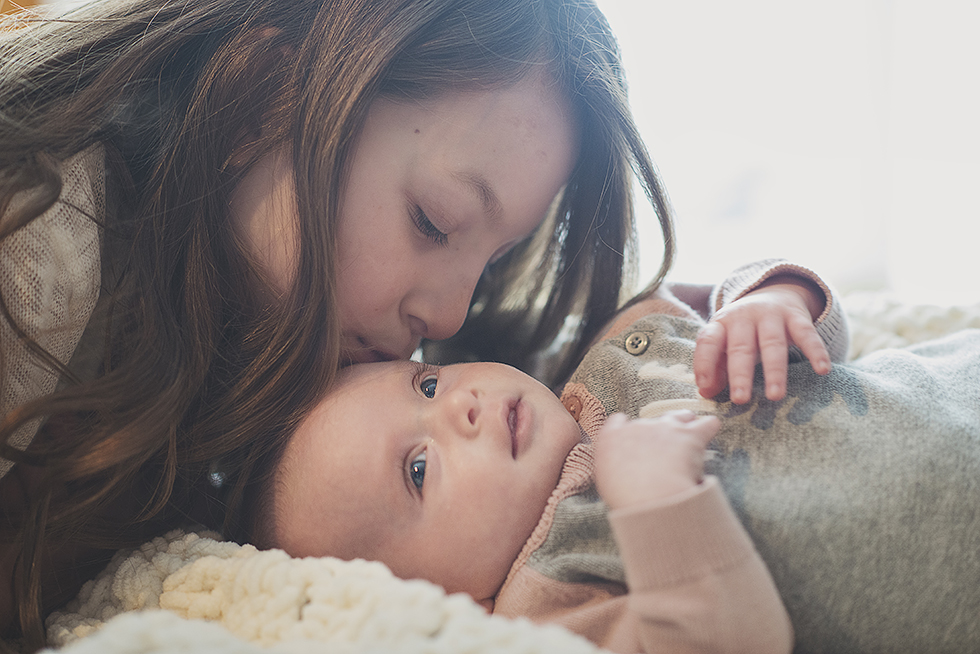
(362, 352)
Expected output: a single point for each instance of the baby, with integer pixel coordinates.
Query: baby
(478, 478)
(857, 488)
(450, 474)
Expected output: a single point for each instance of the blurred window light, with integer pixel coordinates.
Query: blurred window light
(841, 134)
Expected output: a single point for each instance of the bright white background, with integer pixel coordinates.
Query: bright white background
(844, 134)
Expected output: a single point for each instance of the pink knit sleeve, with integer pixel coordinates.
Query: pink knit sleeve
(696, 582)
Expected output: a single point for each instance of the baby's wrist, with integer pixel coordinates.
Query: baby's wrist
(651, 493)
(809, 292)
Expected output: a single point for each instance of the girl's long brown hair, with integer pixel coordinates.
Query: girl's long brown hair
(185, 95)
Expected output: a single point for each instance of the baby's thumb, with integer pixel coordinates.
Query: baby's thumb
(616, 420)
(709, 428)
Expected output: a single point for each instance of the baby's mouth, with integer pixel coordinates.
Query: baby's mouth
(517, 423)
(512, 425)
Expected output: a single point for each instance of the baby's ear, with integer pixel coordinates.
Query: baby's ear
(487, 604)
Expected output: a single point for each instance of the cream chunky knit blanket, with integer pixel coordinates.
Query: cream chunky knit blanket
(190, 593)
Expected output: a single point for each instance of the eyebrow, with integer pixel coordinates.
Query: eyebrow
(488, 198)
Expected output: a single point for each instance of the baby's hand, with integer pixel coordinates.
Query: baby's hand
(640, 461)
(760, 325)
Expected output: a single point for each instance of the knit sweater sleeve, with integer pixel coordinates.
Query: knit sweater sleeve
(831, 324)
(50, 276)
(696, 582)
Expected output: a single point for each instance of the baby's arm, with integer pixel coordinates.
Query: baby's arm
(695, 581)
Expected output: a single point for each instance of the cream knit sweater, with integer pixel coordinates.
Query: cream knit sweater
(50, 274)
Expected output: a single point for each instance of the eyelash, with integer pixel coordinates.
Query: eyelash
(423, 372)
(426, 228)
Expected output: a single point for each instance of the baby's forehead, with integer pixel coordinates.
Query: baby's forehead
(366, 375)
(328, 499)
(355, 389)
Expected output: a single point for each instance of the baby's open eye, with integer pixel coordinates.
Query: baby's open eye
(428, 386)
(425, 377)
(416, 470)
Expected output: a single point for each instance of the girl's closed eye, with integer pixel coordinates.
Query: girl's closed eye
(426, 228)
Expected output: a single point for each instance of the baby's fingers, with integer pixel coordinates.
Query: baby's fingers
(701, 431)
(710, 361)
(681, 415)
(805, 337)
(706, 428)
(773, 351)
(742, 352)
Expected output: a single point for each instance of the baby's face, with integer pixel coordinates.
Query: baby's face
(440, 473)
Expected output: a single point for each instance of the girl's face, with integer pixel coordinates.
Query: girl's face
(436, 189)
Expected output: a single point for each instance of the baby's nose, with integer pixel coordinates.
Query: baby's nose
(464, 406)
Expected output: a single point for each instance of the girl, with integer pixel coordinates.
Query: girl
(208, 206)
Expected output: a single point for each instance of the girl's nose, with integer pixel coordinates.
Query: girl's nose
(437, 322)
(437, 307)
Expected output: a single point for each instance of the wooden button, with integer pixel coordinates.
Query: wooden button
(574, 406)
